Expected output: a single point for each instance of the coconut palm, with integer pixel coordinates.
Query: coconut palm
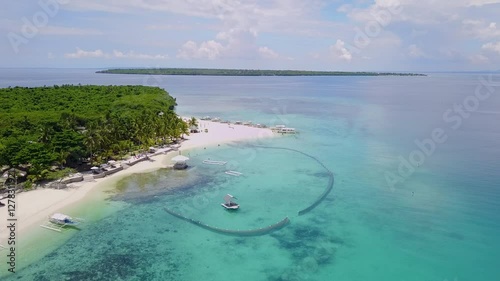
(193, 122)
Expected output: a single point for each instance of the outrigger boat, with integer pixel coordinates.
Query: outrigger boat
(230, 205)
(214, 162)
(233, 173)
(58, 221)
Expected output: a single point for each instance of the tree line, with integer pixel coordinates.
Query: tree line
(246, 72)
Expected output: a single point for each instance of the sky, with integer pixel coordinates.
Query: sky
(359, 35)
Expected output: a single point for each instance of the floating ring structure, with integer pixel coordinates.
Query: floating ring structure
(251, 232)
(329, 187)
(273, 227)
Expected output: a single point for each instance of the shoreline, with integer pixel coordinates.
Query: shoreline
(34, 207)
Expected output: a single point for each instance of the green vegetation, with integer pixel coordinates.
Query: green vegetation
(43, 130)
(246, 72)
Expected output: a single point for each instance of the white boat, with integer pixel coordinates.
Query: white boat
(229, 204)
(58, 221)
(277, 127)
(287, 131)
(233, 173)
(214, 162)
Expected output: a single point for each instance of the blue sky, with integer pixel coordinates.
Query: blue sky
(380, 35)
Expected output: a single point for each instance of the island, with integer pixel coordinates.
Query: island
(245, 72)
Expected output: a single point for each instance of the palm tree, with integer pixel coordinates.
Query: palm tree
(62, 156)
(93, 139)
(181, 128)
(46, 132)
(193, 122)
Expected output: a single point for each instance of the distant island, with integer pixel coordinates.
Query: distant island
(245, 72)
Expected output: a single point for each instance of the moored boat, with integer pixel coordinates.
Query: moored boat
(58, 221)
(63, 219)
(229, 204)
(287, 131)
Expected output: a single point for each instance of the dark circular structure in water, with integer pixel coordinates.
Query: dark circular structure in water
(273, 227)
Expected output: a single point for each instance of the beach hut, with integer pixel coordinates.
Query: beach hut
(95, 170)
(180, 162)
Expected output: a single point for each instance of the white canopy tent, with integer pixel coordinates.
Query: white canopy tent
(180, 158)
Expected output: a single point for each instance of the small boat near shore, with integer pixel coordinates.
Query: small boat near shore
(287, 131)
(58, 221)
(229, 204)
(233, 173)
(277, 128)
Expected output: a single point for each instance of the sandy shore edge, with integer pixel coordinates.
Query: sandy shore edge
(34, 207)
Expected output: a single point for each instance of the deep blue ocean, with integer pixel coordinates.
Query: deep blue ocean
(416, 194)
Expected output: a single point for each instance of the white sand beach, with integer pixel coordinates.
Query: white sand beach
(34, 207)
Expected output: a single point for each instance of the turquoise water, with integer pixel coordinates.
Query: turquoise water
(439, 222)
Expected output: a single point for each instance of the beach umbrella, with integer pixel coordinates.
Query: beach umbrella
(180, 158)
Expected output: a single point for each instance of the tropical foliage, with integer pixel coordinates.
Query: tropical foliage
(65, 126)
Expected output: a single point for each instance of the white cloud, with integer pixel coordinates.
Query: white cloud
(268, 53)
(481, 29)
(79, 54)
(481, 2)
(231, 43)
(134, 55)
(86, 54)
(206, 50)
(492, 47)
(339, 51)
